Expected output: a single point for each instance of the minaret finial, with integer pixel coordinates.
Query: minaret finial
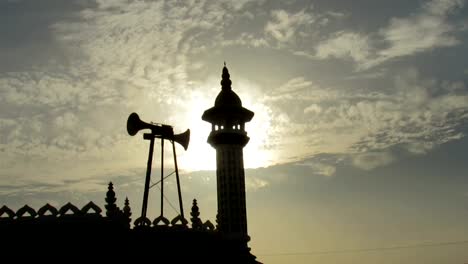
(225, 82)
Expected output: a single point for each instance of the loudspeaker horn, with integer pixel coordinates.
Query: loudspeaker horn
(135, 124)
(183, 139)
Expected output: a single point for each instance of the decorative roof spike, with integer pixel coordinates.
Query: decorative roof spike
(195, 213)
(127, 210)
(112, 209)
(195, 210)
(110, 195)
(226, 82)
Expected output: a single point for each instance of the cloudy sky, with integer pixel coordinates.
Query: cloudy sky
(358, 144)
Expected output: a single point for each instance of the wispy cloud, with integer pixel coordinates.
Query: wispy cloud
(247, 40)
(372, 160)
(345, 45)
(414, 112)
(294, 85)
(285, 26)
(427, 29)
(317, 167)
(127, 57)
(135, 56)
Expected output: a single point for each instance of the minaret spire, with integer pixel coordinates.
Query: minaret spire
(226, 81)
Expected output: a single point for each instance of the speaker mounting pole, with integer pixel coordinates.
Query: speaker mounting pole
(144, 207)
(164, 132)
(178, 181)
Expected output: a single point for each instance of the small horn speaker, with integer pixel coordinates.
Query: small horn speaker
(183, 139)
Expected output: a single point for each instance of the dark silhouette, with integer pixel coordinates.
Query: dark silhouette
(85, 234)
(228, 137)
(164, 132)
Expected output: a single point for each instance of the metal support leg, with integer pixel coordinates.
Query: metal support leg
(148, 174)
(178, 181)
(162, 176)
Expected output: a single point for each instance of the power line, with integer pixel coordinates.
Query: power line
(339, 251)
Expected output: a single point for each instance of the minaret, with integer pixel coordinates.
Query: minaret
(228, 137)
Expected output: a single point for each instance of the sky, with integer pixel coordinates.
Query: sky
(357, 149)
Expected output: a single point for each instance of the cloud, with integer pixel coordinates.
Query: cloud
(246, 39)
(284, 26)
(299, 88)
(319, 168)
(313, 108)
(414, 112)
(345, 44)
(143, 56)
(372, 160)
(255, 183)
(427, 29)
(126, 57)
(293, 85)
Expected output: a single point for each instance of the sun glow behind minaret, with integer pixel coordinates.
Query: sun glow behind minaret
(200, 155)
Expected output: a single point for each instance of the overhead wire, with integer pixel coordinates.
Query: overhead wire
(341, 251)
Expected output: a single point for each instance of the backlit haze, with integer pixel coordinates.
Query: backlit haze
(357, 149)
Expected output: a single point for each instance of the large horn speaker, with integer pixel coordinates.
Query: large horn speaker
(135, 124)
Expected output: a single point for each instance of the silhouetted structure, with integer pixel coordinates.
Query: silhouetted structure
(55, 234)
(163, 132)
(228, 137)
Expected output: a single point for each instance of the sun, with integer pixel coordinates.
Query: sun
(201, 156)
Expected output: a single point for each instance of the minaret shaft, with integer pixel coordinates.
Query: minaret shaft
(232, 216)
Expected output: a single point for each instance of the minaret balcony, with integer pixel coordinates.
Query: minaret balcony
(228, 136)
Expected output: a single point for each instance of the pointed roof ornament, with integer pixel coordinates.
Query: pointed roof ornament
(225, 82)
(227, 106)
(127, 210)
(195, 213)
(111, 207)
